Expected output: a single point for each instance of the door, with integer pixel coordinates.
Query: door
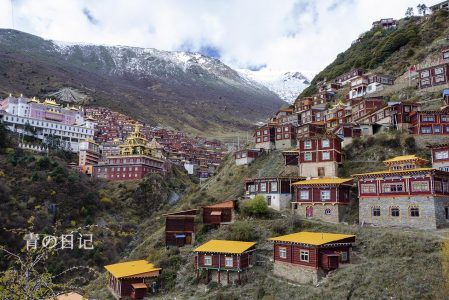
(309, 211)
(321, 172)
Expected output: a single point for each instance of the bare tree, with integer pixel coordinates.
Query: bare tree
(422, 9)
(28, 277)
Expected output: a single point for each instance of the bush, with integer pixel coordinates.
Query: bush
(410, 145)
(255, 207)
(242, 231)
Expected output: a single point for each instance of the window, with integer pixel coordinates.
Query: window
(258, 140)
(269, 200)
(265, 131)
(426, 129)
(437, 129)
(274, 186)
(376, 211)
(368, 188)
(307, 144)
(393, 187)
(326, 155)
(428, 118)
(442, 154)
(420, 186)
(344, 256)
(304, 255)
(308, 156)
(304, 195)
(394, 211)
(414, 211)
(425, 74)
(282, 252)
(208, 260)
(258, 133)
(327, 211)
(263, 187)
(325, 143)
(438, 186)
(425, 81)
(229, 262)
(439, 71)
(446, 212)
(325, 195)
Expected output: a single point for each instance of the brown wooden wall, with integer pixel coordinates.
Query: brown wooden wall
(218, 260)
(179, 223)
(226, 215)
(315, 254)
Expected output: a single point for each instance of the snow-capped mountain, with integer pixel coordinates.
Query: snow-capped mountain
(179, 89)
(287, 85)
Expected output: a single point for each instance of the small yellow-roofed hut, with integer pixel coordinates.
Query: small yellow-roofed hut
(306, 257)
(132, 279)
(218, 258)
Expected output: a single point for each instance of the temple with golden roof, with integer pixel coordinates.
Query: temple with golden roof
(137, 158)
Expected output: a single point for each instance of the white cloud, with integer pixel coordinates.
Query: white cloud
(303, 35)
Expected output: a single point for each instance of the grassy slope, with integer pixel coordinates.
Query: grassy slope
(390, 51)
(30, 182)
(387, 263)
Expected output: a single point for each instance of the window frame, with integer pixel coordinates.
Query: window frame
(414, 211)
(282, 251)
(325, 192)
(393, 211)
(206, 260)
(227, 260)
(375, 211)
(304, 255)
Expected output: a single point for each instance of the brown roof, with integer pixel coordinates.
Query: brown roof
(224, 204)
(139, 285)
(191, 212)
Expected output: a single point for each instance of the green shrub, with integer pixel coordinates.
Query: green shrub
(242, 231)
(410, 145)
(255, 207)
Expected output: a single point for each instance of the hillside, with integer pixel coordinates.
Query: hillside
(382, 257)
(183, 90)
(390, 51)
(41, 194)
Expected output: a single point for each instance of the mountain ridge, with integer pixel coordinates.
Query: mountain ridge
(186, 91)
(286, 84)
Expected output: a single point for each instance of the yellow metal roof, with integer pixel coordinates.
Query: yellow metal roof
(323, 181)
(223, 246)
(69, 296)
(130, 268)
(395, 172)
(404, 157)
(311, 238)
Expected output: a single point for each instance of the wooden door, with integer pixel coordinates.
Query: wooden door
(321, 172)
(309, 211)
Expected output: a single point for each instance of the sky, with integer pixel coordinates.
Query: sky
(281, 35)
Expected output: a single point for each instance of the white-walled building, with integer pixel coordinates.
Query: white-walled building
(47, 119)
